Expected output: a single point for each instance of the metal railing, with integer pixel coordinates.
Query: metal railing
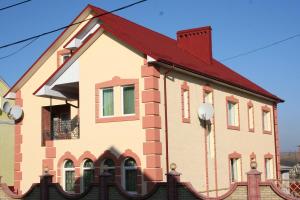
(63, 129)
(289, 186)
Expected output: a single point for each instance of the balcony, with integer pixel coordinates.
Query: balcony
(57, 123)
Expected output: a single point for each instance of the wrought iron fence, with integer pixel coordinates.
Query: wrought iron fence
(63, 129)
(289, 186)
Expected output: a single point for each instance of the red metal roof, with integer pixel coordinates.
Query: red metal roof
(165, 49)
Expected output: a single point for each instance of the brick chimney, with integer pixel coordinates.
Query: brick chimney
(196, 41)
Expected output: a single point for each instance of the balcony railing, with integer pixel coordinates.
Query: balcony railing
(62, 129)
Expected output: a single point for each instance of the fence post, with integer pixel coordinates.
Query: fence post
(45, 180)
(173, 177)
(253, 179)
(104, 178)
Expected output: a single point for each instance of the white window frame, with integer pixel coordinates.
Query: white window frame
(235, 108)
(186, 114)
(251, 117)
(266, 121)
(122, 100)
(64, 174)
(82, 173)
(269, 168)
(235, 177)
(101, 102)
(124, 169)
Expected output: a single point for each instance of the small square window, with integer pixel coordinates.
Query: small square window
(128, 100)
(107, 102)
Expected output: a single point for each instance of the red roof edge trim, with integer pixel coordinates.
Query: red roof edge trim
(52, 44)
(75, 52)
(273, 97)
(194, 29)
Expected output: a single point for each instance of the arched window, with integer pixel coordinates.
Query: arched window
(108, 165)
(69, 176)
(88, 173)
(130, 175)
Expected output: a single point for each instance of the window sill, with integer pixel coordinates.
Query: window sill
(267, 132)
(237, 128)
(117, 119)
(186, 120)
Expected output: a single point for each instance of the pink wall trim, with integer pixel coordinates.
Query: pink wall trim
(252, 156)
(276, 141)
(116, 81)
(152, 147)
(184, 88)
(233, 100)
(17, 148)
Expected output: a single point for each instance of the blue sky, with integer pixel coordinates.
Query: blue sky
(238, 26)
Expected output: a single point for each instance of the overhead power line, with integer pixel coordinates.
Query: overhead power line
(7, 7)
(20, 49)
(63, 27)
(260, 48)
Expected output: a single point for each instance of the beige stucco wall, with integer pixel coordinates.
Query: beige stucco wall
(32, 151)
(187, 142)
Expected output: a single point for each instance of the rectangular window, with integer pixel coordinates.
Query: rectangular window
(208, 97)
(269, 168)
(235, 169)
(266, 120)
(232, 111)
(107, 102)
(251, 118)
(128, 100)
(186, 104)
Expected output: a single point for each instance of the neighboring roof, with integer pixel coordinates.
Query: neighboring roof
(166, 50)
(3, 87)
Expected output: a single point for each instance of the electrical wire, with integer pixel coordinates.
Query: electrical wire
(63, 27)
(20, 49)
(7, 7)
(260, 48)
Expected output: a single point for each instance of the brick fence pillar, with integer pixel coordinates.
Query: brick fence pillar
(173, 177)
(253, 179)
(104, 179)
(45, 180)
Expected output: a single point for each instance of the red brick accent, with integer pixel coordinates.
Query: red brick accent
(50, 152)
(236, 101)
(17, 148)
(268, 155)
(49, 163)
(276, 139)
(151, 121)
(116, 81)
(86, 155)
(152, 148)
(151, 96)
(252, 156)
(152, 135)
(184, 88)
(152, 109)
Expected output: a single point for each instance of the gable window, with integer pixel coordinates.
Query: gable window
(185, 103)
(64, 57)
(250, 117)
(232, 113)
(107, 102)
(130, 175)
(69, 176)
(88, 174)
(266, 119)
(128, 100)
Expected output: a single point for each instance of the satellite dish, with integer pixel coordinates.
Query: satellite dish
(205, 111)
(16, 112)
(6, 107)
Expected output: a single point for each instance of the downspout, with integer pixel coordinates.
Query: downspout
(276, 140)
(166, 117)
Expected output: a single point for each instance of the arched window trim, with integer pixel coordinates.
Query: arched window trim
(83, 168)
(124, 169)
(103, 167)
(64, 174)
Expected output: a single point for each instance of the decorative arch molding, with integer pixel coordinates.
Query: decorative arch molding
(86, 155)
(67, 156)
(107, 155)
(252, 156)
(234, 155)
(268, 156)
(130, 153)
(208, 88)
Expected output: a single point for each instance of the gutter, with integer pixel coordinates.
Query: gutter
(166, 116)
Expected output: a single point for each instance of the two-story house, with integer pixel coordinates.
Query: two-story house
(109, 94)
